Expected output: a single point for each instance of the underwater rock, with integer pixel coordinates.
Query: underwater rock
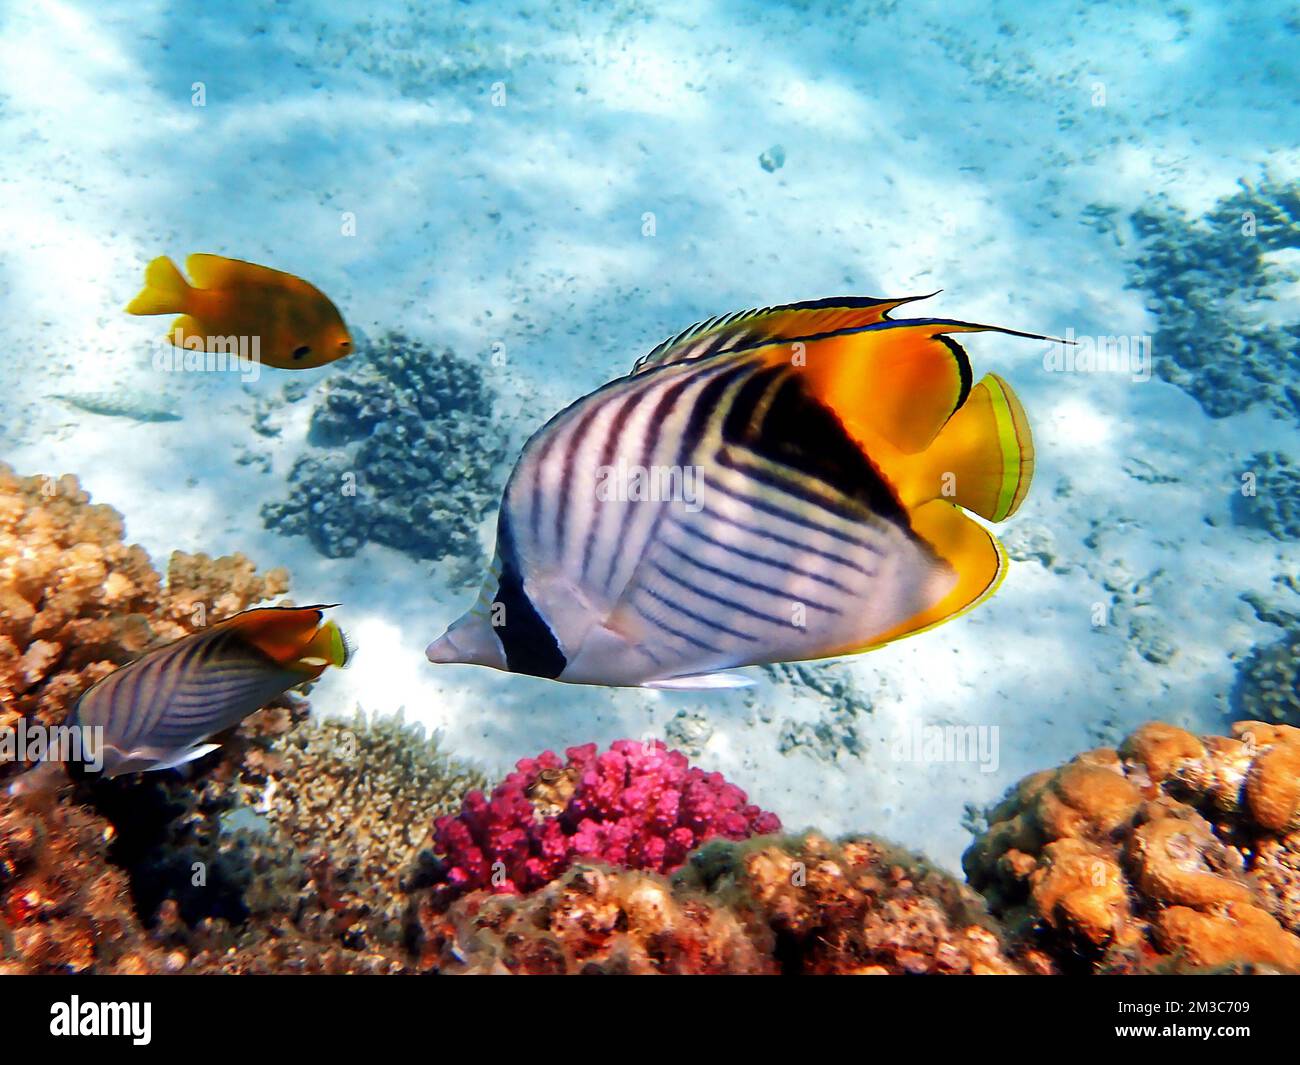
(592, 921)
(1146, 631)
(1202, 275)
(1268, 682)
(637, 806)
(688, 732)
(772, 159)
(76, 602)
(860, 906)
(1171, 853)
(798, 905)
(1274, 504)
(1027, 542)
(406, 453)
(835, 732)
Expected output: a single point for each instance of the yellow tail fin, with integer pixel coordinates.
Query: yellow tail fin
(328, 645)
(165, 290)
(982, 459)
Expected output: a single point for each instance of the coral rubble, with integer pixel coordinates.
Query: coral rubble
(1274, 503)
(593, 920)
(360, 847)
(1201, 276)
(857, 906)
(1268, 682)
(407, 454)
(763, 906)
(1171, 851)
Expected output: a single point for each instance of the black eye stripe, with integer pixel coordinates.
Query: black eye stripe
(301, 352)
(528, 642)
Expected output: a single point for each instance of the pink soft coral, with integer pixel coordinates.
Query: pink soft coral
(637, 806)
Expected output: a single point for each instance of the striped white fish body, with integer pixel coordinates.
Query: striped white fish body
(777, 485)
(157, 711)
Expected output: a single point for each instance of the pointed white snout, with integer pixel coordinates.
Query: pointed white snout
(443, 651)
(470, 640)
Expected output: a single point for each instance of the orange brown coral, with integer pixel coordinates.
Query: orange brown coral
(857, 906)
(591, 920)
(1174, 850)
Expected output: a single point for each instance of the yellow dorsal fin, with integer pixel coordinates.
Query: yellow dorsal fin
(970, 549)
(897, 382)
(792, 321)
(165, 290)
(281, 633)
(216, 271)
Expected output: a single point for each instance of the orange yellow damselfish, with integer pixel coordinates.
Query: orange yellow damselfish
(775, 485)
(287, 321)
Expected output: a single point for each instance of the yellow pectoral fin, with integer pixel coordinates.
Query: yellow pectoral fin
(972, 551)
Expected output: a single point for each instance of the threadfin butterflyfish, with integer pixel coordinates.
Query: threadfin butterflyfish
(231, 304)
(160, 711)
(776, 485)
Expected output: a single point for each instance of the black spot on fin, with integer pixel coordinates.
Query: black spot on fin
(774, 417)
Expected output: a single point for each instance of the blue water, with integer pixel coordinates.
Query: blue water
(549, 190)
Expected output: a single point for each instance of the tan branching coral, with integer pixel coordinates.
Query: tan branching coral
(76, 602)
(362, 795)
(1173, 851)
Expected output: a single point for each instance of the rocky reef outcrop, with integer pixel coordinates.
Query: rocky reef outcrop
(1173, 852)
(1206, 279)
(405, 451)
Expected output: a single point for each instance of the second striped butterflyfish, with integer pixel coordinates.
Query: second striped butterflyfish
(159, 711)
(784, 484)
(226, 302)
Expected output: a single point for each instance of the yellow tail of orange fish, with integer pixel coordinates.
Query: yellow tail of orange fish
(165, 290)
